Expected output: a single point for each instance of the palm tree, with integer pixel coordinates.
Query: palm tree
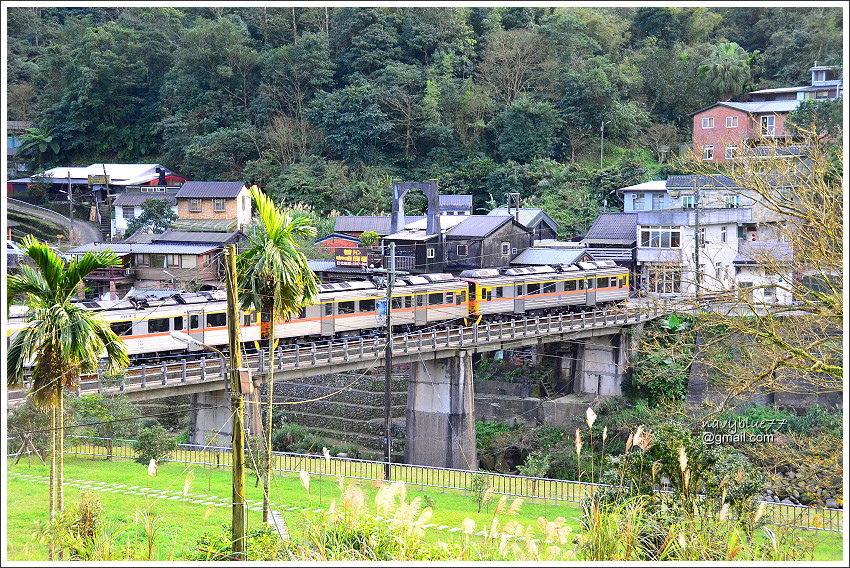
(727, 70)
(38, 140)
(63, 339)
(275, 279)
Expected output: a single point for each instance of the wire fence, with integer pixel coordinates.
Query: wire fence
(544, 489)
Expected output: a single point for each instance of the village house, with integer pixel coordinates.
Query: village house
(213, 206)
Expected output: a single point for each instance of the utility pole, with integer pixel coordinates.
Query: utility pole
(697, 271)
(237, 405)
(602, 142)
(70, 209)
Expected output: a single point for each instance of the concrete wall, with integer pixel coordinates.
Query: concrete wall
(209, 414)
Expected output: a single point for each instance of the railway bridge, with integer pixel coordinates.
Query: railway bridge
(440, 428)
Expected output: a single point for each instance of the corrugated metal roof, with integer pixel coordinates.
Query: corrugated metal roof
(613, 228)
(411, 235)
(701, 182)
(143, 248)
(207, 237)
(478, 225)
(655, 185)
(214, 225)
(539, 257)
(528, 216)
(210, 189)
(617, 254)
(135, 199)
(456, 201)
(762, 107)
(361, 223)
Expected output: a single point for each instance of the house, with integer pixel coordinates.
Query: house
(826, 83)
(761, 271)
(612, 237)
(548, 256)
(336, 240)
(355, 225)
(455, 204)
(540, 223)
(16, 164)
(647, 196)
(128, 206)
(213, 206)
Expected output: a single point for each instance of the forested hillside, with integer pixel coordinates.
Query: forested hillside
(325, 105)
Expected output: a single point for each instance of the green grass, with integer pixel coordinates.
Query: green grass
(184, 522)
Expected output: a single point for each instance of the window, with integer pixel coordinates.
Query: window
(533, 288)
(329, 309)
(430, 252)
(247, 319)
(246, 203)
(708, 122)
(723, 234)
(500, 292)
(173, 260)
(462, 250)
(819, 95)
(657, 200)
(637, 203)
(731, 122)
(460, 298)
(506, 248)
(450, 297)
(178, 323)
(158, 325)
(194, 205)
(435, 299)
(718, 269)
(664, 280)
(408, 302)
(122, 327)
(398, 303)
(708, 153)
(549, 288)
(513, 251)
(194, 321)
(218, 319)
(770, 294)
(345, 308)
(768, 125)
(661, 237)
(218, 205)
(188, 261)
(143, 259)
(570, 285)
(730, 152)
(741, 234)
(420, 300)
(745, 291)
(367, 305)
(732, 201)
(688, 202)
(128, 212)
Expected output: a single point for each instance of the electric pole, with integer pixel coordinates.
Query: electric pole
(697, 271)
(237, 405)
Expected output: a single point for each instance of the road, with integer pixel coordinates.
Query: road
(81, 233)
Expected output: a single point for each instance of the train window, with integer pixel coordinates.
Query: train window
(613, 282)
(408, 301)
(533, 288)
(218, 319)
(500, 291)
(570, 285)
(450, 297)
(435, 299)
(329, 309)
(247, 319)
(487, 294)
(460, 298)
(302, 313)
(622, 281)
(549, 288)
(194, 321)
(178, 323)
(398, 303)
(520, 289)
(158, 325)
(345, 308)
(122, 327)
(420, 300)
(367, 305)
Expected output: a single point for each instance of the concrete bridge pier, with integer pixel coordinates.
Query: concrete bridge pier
(601, 364)
(440, 415)
(209, 415)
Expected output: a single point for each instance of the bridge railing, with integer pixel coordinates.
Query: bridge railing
(337, 351)
(543, 489)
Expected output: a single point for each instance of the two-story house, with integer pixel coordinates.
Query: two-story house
(542, 226)
(213, 206)
(128, 206)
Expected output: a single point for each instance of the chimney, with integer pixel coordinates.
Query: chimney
(161, 172)
(433, 213)
(397, 220)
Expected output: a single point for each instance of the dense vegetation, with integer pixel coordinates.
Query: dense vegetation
(326, 105)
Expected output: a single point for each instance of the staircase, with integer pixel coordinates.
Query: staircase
(105, 219)
(546, 388)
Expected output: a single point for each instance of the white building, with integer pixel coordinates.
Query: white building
(129, 206)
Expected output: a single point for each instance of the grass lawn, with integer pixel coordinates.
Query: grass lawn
(183, 521)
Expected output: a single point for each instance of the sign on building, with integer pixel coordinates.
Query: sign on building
(360, 257)
(98, 179)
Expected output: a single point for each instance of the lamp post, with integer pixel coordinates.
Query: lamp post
(602, 142)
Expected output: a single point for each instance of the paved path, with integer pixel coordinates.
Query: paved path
(82, 232)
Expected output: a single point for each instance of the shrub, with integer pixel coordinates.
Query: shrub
(262, 544)
(154, 443)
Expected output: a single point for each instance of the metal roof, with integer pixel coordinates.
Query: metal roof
(206, 237)
(546, 256)
(478, 225)
(613, 229)
(134, 199)
(208, 189)
(701, 182)
(361, 223)
(144, 248)
(616, 254)
(530, 217)
(655, 185)
(411, 235)
(215, 225)
(758, 107)
(330, 266)
(456, 201)
(763, 252)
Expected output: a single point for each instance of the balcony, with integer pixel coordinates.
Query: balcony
(660, 255)
(111, 274)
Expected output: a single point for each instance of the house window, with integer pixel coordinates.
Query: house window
(462, 250)
(821, 95)
(506, 248)
(637, 203)
(661, 237)
(657, 200)
(688, 202)
(218, 205)
(768, 125)
(770, 294)
(128, 212)
(730, 152)
(173, 260)
(664, 280)
(732, 201)
(246, 203)
(430, 253)
(708, 153)
(745, 291)
(708, 122)
(723, 234)
(143, 259)
(195, 205)
(731, 122)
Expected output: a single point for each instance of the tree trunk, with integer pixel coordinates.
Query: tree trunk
(52, 499)
(60, 457)
(269, 413)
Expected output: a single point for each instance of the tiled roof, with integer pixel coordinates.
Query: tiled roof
(207, 237)
(542, 256)
(528, 216)
(361, 223)
(456, 201)
(613, 229)
(143, 248)
(701, 182)
(133, 199)
(210, 189)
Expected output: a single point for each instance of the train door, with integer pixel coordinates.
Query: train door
(590, 291)
(327, 319)
(519, 299)
(195, 328)
(420, 312)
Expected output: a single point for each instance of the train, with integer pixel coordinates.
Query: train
(357, 308)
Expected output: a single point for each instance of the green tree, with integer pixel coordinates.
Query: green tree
(369, 238)
(37, 140)
(822, 117)
(107, 417)
(62, 341)
(525, 130)
(153, 443)
(727, 70)
(157, 215)
(277, 281)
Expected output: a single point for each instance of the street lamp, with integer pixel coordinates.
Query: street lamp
(184, 338)
(602, 142)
